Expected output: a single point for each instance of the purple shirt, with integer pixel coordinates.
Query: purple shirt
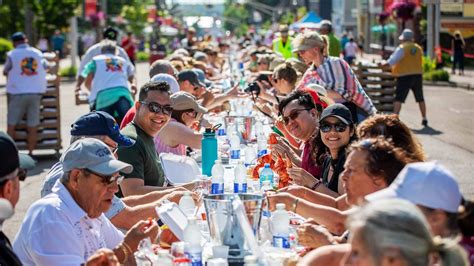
(308, 163)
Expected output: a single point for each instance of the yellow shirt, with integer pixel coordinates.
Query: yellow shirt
(285, 51)
(411, 62)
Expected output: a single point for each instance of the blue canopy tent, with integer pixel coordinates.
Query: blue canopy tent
(310, 20)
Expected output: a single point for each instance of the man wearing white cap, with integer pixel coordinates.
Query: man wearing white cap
(68, 226)
(406, 63)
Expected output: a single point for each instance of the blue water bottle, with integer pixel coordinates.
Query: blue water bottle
(208, 150)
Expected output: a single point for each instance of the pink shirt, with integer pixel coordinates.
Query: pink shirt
(160, 146)
(308, 163)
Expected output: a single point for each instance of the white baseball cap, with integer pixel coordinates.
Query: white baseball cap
(94, 155)
(174, 86)
(428, 184)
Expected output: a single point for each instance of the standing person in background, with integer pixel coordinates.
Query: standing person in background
(43, 44)
(128, 44)
(25, 70)
(350, 51)
(58, 42)
(334, 46)
(344, 41)
(282, 44)
(457, 49)
(406, 63)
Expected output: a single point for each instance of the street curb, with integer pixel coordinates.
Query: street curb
(465, 86)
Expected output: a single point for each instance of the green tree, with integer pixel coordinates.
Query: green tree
(48, 15)
(236, 17)
(136, 14)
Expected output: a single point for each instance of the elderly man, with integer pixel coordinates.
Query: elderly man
(25, 69)
(71, 218)
(12, 171)
(123, 213)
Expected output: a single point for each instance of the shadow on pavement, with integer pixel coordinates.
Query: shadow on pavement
(43, 164)
(427, 131)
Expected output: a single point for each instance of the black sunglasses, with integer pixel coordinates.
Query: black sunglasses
(22, 174)
(293, 115)
(106, 179)
(157, 108)
(326, 127)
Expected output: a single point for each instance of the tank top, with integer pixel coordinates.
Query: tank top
(160, 146)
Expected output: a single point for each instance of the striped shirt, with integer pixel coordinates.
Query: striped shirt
(335, 74)
(161, 146)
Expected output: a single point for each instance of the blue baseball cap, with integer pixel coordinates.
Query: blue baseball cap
(100, 123)
(18, 36)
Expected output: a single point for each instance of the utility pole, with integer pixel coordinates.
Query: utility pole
(73, 39)
(429, 35)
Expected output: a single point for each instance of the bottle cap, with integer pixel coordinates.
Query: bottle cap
(267, 165)
(280, 206)
(163, 252)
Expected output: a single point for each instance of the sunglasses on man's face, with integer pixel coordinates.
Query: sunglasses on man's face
(106, 180)
(157, 108)
(326, 127)
(293, 115)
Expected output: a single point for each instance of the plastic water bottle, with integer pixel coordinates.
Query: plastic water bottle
(209, 150)
(164, 257)
(192, 236)
(240, 179)
(234, 148)
(261, 145)
(266, 175)
(280, 227)
(186, 204)
(266, 186)
(217, 186)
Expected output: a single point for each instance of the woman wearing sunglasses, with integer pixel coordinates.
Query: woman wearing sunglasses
(177, 134)
(336, 133)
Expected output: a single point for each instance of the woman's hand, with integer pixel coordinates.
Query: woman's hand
(313, 236)
(274, 198)
(103, 257)
(141, 230)
(302, 177)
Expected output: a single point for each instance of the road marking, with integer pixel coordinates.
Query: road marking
(458, 111)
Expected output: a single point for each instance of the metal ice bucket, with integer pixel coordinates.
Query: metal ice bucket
(223, 224)
(242, 124)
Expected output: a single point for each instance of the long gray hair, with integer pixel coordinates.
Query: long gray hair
(398, 224)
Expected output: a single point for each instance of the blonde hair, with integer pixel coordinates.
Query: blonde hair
(398, 224)
(312, 39)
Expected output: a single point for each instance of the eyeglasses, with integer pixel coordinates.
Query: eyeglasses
(106, 180)
(327, 127)
(157, 108)
(293, 115)
(22, 174)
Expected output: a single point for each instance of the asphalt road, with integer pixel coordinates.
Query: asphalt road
(449, 139)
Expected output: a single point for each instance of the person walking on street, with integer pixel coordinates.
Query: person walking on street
(57, 42)
(25, 69)
(457, 48)
(406, 63)
(128, 44)
(350, 51)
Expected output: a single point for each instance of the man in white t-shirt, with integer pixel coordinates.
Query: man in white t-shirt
(25, 69)
(350, 51)
(68, 226)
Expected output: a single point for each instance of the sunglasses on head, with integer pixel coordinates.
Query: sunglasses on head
(106, 179)
(157, 108)
(293, 115)
(327, 127)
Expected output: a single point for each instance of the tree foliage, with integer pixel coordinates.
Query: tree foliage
(236, 17)
(136, 14)
(49, 15)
